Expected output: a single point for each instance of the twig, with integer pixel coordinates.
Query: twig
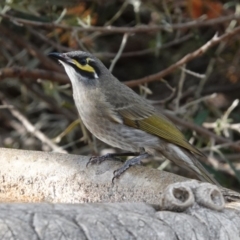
(225, 120)
(180, 87)
(30, 128)
(117, 14)
(44, 60)
(6, 106)
(136, 29)
(79, 41)
(69, 128)
(51, 102)
(222, 124)
(197, 75)
(197, 53)
(223, 145)
(212, 89)
(203, 131)
(123, 44)
(146, 51)
(224, 167)
(206, 77)
(33, 73)
(236, 173)
(213, 61)
(63, 79)
(48, 41)
(233, 157)
(195, 102)
(167, 99)
(230, 109)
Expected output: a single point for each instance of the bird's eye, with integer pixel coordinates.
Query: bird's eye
(82, 61)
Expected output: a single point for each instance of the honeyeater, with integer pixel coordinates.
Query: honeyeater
(118, 116)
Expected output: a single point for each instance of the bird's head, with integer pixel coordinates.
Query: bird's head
(81, 67)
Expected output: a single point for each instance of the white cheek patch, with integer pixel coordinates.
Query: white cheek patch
(69, 70)
(64, 64)
(95, 75)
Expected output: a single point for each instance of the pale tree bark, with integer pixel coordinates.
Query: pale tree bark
(115, 221)
(31, 176)
(174, 208)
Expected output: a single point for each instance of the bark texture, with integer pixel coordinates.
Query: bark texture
(31, 176)
(119, 221)
(174, 208)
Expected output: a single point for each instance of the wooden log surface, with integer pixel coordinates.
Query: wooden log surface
(32, 176)
(97, 221)
(143, 204)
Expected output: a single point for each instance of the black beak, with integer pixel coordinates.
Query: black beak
(60, 56)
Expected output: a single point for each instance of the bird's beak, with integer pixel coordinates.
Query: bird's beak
(61, 57)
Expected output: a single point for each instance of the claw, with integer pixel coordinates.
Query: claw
(113, 180)
(100, 159)
(118, 172)
(95, 159)
(131, 162)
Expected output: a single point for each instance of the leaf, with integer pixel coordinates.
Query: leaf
(201, 117)
(210, 8)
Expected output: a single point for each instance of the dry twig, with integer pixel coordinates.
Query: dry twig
(118, 55)
(203, 131)
(30, 128)
(44, 60)
(136, 29)
(34, 74)
(197, 53)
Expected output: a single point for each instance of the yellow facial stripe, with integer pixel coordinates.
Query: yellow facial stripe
(86, 67)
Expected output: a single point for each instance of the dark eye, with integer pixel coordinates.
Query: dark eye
(82, 61)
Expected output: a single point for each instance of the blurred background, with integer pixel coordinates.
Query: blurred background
(135, 39)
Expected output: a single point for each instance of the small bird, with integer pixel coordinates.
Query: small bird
(118, 116)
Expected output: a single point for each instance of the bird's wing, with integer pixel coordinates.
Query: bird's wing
(144, 117)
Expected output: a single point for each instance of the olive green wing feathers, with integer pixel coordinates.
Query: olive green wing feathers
(144, 117)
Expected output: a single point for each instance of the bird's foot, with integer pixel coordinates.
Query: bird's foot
(131, 162)
(108, 156)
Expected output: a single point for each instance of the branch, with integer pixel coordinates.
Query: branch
(188, 209)
(199, 52)
(145, 51)
(119, 53)
(136, 29)
(203, 131)
(31, 176)
(132, 83)
(62, 78)
(54, 177)
(32, 50)
(30, 127)
(33, 73)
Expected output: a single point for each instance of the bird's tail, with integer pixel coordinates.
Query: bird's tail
(202, 173)
(189, 161)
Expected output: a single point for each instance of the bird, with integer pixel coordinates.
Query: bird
(118, 116)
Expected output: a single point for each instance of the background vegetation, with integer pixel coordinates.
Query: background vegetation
(168, 51)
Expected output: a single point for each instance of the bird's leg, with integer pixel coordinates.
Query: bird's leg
(131, 162)
(100, 159)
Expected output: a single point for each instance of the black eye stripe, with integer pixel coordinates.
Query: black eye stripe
(82, 61)
(95, 66)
